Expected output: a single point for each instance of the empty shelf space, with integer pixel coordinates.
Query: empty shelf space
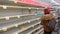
(12, 31)
(19, 29)
(35, 29)
(12, 24)
(42, 32)
(30, 24)
(11, 20)
(18, 16)
(8, 2)
(29, 30)
(15, 18)
(10, 12)
(31, 17)
(39, 31)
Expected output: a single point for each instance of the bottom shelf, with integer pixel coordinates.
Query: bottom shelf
(34, 30)
(42, 32)
(39, 31)
(29, 30)
(19, 29)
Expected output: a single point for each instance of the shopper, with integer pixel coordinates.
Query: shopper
(44, 22)
(47, 14)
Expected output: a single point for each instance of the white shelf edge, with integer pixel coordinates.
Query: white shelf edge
(23, 29)
(17, 7)
(28, 27)
(40, 31)
(35, 29)
(18, 16)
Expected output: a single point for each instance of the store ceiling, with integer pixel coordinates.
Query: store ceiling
(57, 1)
(52, 2)
(4, 2)
(43, 1)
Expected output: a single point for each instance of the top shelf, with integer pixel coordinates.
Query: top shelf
(9, 6)
(16, 3)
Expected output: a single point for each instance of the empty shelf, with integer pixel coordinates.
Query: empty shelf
(24, 7)
(20, 19)
(8, 2)
(29, 30)
(13, 24)
(30, 17)
(18, 30)
(42, 32)
(39, 31)
(11, 20)
(7, 17)
(35, 29)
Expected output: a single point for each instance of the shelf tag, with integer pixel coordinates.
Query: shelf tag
(4, 7)
(18, 16)
(4, 29)
(16, 25)
(29, 21)
(7, 18)
(29, 8)
(15, 1)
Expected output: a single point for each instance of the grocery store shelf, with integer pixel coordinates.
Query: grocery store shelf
(18, 16)
(29, 30)
(40, 31)
(5, 26)
(7, 6)
(35, 29)
(17, 3)
(21, 19)
(18, 30)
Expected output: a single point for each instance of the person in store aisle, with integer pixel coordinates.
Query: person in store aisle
(44, 22)
(47, 30)
(47, 15)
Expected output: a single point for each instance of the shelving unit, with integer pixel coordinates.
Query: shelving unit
(19, 18)
(39, 31)
(29, 31)
(34, 30)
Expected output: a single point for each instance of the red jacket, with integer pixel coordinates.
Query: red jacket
(46, 11)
